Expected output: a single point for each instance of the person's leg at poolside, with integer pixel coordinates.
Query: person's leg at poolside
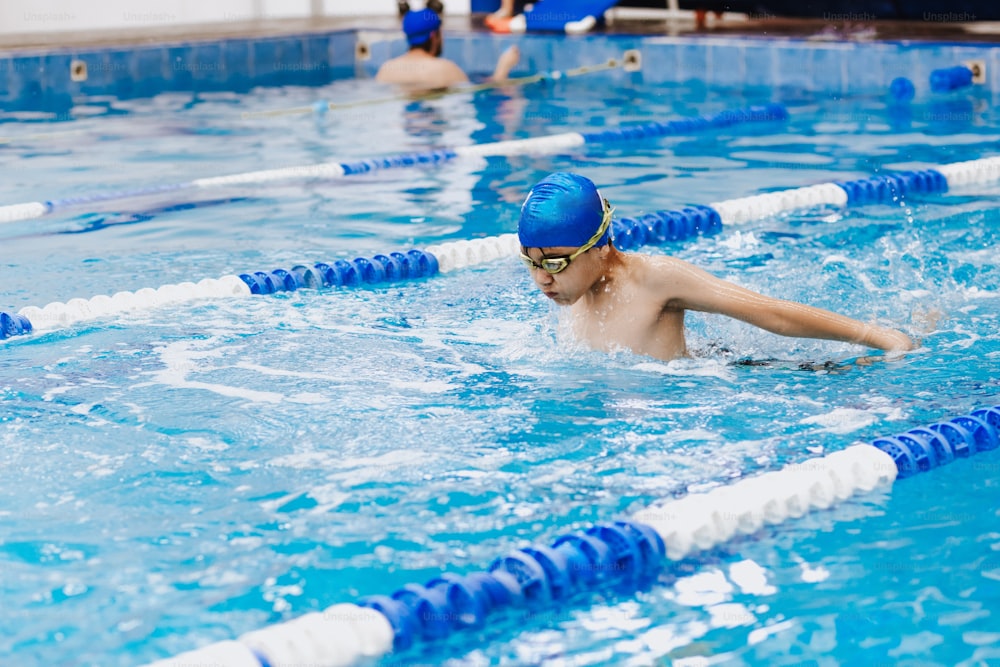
(505, 12)
(508, 8)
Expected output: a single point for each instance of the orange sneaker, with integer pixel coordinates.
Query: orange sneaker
(498, 23)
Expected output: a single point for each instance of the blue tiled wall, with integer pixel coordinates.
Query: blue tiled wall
(41, 81)
(834, 67)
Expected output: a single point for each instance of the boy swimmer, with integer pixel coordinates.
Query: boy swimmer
(636, 301)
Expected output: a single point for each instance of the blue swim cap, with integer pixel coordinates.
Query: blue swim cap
(418, 25)
(563, 209)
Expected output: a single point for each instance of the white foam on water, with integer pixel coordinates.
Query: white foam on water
(328, 497)
(813, 575)
(975, 292)
(751, 578)
(964, 343)
(704, 588)
(205, 445)
(56, 391)
(848, 420)
(181, 358)
(422, 387)
(281, 372)
(689, 368)
(664, 639)
(760, 634)
(739, 240)
(349, 467)
(307, 398)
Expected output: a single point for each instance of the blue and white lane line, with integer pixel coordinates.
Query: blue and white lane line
(605, 556)
(629, 233)
(329, 170)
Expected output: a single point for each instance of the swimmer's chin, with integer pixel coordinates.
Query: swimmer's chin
(559, 299)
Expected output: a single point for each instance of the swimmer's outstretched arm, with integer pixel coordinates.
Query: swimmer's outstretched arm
(505, 63)
(694, 289)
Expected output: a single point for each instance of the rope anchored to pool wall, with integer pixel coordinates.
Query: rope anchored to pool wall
(536, 145)
(615, 556)
(631, 61)
(629, 233)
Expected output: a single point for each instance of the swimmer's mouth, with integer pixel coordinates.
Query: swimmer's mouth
(558, 298)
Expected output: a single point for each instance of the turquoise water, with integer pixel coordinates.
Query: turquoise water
(182, 475)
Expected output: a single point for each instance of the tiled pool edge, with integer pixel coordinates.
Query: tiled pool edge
(800, 64)
(37, 81)
(41, 81)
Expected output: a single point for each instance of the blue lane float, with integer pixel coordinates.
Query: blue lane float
(392, 267)
(729, 118)
(665, 227)
(947, 79)
(902, 89)
(620, 556)
(889, 188)
(13, 324)
(536, 145)
(922, 449)
(622, 553)
(398, 161)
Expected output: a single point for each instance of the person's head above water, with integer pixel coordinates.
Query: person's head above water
(419, 25)
(564, 210)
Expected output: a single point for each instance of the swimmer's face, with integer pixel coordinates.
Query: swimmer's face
(579, 271)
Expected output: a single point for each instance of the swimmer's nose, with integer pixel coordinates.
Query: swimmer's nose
(541, 277)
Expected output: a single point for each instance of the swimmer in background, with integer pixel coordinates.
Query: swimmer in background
(634, 301)
(423, 67)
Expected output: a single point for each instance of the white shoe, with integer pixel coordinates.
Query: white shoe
(581, 26)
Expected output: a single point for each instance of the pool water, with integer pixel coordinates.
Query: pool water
(182, 475)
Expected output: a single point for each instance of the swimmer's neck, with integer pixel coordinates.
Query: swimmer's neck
(613, 264)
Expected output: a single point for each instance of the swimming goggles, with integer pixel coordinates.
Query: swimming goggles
(554, 265)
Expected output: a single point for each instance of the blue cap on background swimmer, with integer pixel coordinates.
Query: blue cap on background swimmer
(562, 210)
(418, 25)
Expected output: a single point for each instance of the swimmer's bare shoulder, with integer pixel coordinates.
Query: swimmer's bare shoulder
(450, 72)
(664, 279)
(421, 73)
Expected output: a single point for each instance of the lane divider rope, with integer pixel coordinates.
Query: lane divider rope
(629, 233)
(631, 61)
(330, 170)
(623, 555)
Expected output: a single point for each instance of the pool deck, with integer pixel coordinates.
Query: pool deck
(621, 22)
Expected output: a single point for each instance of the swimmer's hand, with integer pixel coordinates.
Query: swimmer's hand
(890, 340)
(506, 62)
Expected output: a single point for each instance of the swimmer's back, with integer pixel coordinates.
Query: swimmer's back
(425, 73)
